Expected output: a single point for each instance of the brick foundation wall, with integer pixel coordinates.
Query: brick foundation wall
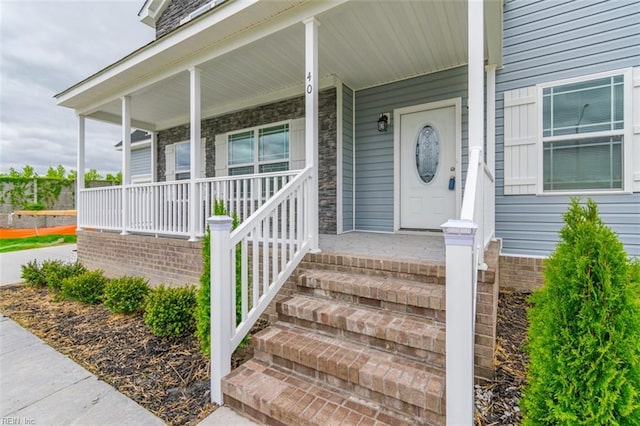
(279, 111)
(520, 273)
(171, 261)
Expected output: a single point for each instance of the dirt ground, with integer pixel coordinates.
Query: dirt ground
(170, 377)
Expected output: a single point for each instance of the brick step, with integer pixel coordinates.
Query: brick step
(390, 293)
(407, 269)
(417, 337)
(406, 385)
(274, 396)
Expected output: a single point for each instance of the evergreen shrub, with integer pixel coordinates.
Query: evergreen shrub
(56, 271)
(32, 274)
(87, 287)
(203, 308)
(584, 333)
(125, 294)
(169, 310)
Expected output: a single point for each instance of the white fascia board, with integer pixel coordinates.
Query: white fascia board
(137, 145)
(152, 10)
(137, 59)
(291, 92)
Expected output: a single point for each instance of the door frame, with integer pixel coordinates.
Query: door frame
(397, 113)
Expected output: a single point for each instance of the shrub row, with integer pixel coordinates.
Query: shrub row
(167, 311)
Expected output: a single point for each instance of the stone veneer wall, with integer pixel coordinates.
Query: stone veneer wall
(279, 111)
(521, 273)
(169, 261)
(176, 10)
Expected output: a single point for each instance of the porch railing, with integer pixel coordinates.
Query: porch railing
(255, 260)
(163, 208)
(466, 240)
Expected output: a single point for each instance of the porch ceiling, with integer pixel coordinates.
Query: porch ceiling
(361, 43)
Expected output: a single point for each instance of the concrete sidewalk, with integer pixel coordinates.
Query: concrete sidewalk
(10, 262)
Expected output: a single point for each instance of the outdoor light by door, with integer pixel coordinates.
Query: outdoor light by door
(383, 122)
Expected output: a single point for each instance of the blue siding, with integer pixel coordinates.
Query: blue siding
(141, 161)
(374, 150)
(551, 40)
(347, 159)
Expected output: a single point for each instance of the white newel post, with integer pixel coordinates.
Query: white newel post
(126, 160)
(80, 174)
(459, 237)
(311, 123)
(194, 152)
(221, 309)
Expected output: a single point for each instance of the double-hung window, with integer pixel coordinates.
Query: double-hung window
(182, 160)
(259, 150)
(583, 134)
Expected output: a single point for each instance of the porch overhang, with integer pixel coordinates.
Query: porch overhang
(252, 52)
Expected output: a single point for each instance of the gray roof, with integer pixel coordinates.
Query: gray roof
(137, 136)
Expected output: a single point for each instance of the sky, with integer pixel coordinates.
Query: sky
(46, 46)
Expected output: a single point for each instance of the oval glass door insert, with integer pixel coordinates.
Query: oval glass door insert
(427, 153)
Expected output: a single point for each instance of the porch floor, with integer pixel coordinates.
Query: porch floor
(423, 246)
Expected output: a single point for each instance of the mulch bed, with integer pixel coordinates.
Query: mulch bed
(170, 376)
(497, 401)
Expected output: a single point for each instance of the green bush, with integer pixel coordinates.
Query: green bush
(32, 274)
(169, 311)
(203, 308)
(55, 271)
(584, 333)
(125, 294)
(87, 287)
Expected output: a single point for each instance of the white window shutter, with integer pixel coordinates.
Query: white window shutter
(203, 157)
(297, 144)
(170, 162)
(221, 155)
(636, 129)
(520, 141)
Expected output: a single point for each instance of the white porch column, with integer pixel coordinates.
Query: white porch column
(126, 160)
(311, 122)
(154, 156)
(80, 175)
(476, 73)
(459, 237)
(194, 152)
(491, 118)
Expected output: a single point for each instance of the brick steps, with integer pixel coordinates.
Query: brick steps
(410, 335)
(358, 341)
(275, 396)
(389, 293)
(407, 385)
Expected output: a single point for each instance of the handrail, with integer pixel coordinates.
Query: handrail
(268, 245)
(469, 198)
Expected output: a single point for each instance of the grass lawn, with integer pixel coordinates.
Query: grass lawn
(15, 244)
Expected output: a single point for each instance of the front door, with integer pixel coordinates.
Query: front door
(427, 166)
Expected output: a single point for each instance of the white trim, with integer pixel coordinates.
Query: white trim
(339, 155)
(80, 157)
(353, 155)
(154, 157)
(626, 132)
(491, 117)
(397, 113)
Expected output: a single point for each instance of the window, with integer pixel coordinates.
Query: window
(583, 134)
(260, 150)
(182, 160)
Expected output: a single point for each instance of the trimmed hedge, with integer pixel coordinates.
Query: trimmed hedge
(125, 295)
(169, 310)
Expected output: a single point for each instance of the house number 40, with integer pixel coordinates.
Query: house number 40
(309, 86)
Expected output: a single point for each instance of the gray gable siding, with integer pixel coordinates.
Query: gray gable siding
(547, 41)
(141, 161)
(374, 160)
(347, 159)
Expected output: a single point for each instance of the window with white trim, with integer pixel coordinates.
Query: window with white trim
(583, 134)
(182, 160)
(259, 150)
